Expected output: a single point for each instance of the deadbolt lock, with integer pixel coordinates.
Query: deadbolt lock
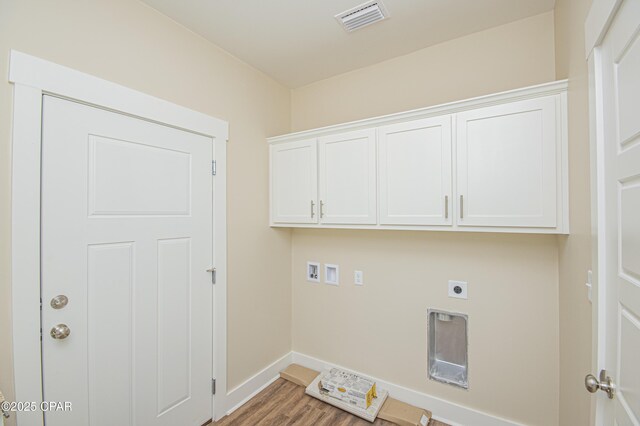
(59, 302)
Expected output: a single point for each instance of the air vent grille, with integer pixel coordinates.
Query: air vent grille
(363, 15)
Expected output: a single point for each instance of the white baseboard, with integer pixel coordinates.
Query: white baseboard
(240, 395)
(445, 411)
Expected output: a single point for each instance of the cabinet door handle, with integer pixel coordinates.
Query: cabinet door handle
(446, 207)
(462, 207)
(321, 209)
(312, 212)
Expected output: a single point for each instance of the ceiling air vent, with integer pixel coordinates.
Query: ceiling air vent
(362, 15)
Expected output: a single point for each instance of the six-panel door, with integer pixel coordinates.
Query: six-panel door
(506, 165)
(415, 172)
(294, 182)
(348, 178)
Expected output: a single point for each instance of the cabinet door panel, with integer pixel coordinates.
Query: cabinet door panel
(294, 182)
(507, 164)
(415, 172)
(348, 178)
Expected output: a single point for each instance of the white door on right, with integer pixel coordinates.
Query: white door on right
(619, 219)
(507, 168)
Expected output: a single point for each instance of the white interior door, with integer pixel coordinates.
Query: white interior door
(127, 238)
(348, 178)
(619, 221)
(294, 182)
(415, 172)
(506, 168)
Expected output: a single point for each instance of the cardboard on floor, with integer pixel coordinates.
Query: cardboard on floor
(392, 410)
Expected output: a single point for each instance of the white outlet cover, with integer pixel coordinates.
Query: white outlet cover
(331, 274)
(313, 272)
(358, 278)
(458, 289)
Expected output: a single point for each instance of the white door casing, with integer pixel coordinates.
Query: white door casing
(32, 78)
(414, 163)
(127, 237)
(615, 102)
(294, 182)
(506, 164)
(348, 178)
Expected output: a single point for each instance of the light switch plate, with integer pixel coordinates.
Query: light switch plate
(458, 289)
(358, 278)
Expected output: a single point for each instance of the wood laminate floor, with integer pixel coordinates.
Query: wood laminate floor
(285, 403)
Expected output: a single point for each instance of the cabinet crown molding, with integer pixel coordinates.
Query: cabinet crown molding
(530, 92)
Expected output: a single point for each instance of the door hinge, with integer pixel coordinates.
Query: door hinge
(213, 275)
(213, 386)
(41, 317)
(213, 167)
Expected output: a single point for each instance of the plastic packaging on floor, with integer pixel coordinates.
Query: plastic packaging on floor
(349, 392)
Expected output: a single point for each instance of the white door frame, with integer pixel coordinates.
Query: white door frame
(596, 26)
(32, 78)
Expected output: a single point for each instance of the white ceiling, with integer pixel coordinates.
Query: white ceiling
(298, 42)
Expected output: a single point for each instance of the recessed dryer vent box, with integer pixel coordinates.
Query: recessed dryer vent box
(448, 348)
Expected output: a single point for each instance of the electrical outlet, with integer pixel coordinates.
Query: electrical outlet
(458, 289)
(358, 278)
(313, 272)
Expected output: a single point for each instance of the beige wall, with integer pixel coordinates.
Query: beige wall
(510, 56)
(513, 279)
(575, 250)
(127, 42)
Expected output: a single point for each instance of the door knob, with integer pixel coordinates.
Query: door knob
(59, 302)
(60, 331)
(605, 384)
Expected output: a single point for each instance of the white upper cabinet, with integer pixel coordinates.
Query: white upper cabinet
(348, 178)
(507, 165)
(415, 172)
(294, 182)
(496, 163)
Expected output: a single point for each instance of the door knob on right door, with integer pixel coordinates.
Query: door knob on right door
(605, 384)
